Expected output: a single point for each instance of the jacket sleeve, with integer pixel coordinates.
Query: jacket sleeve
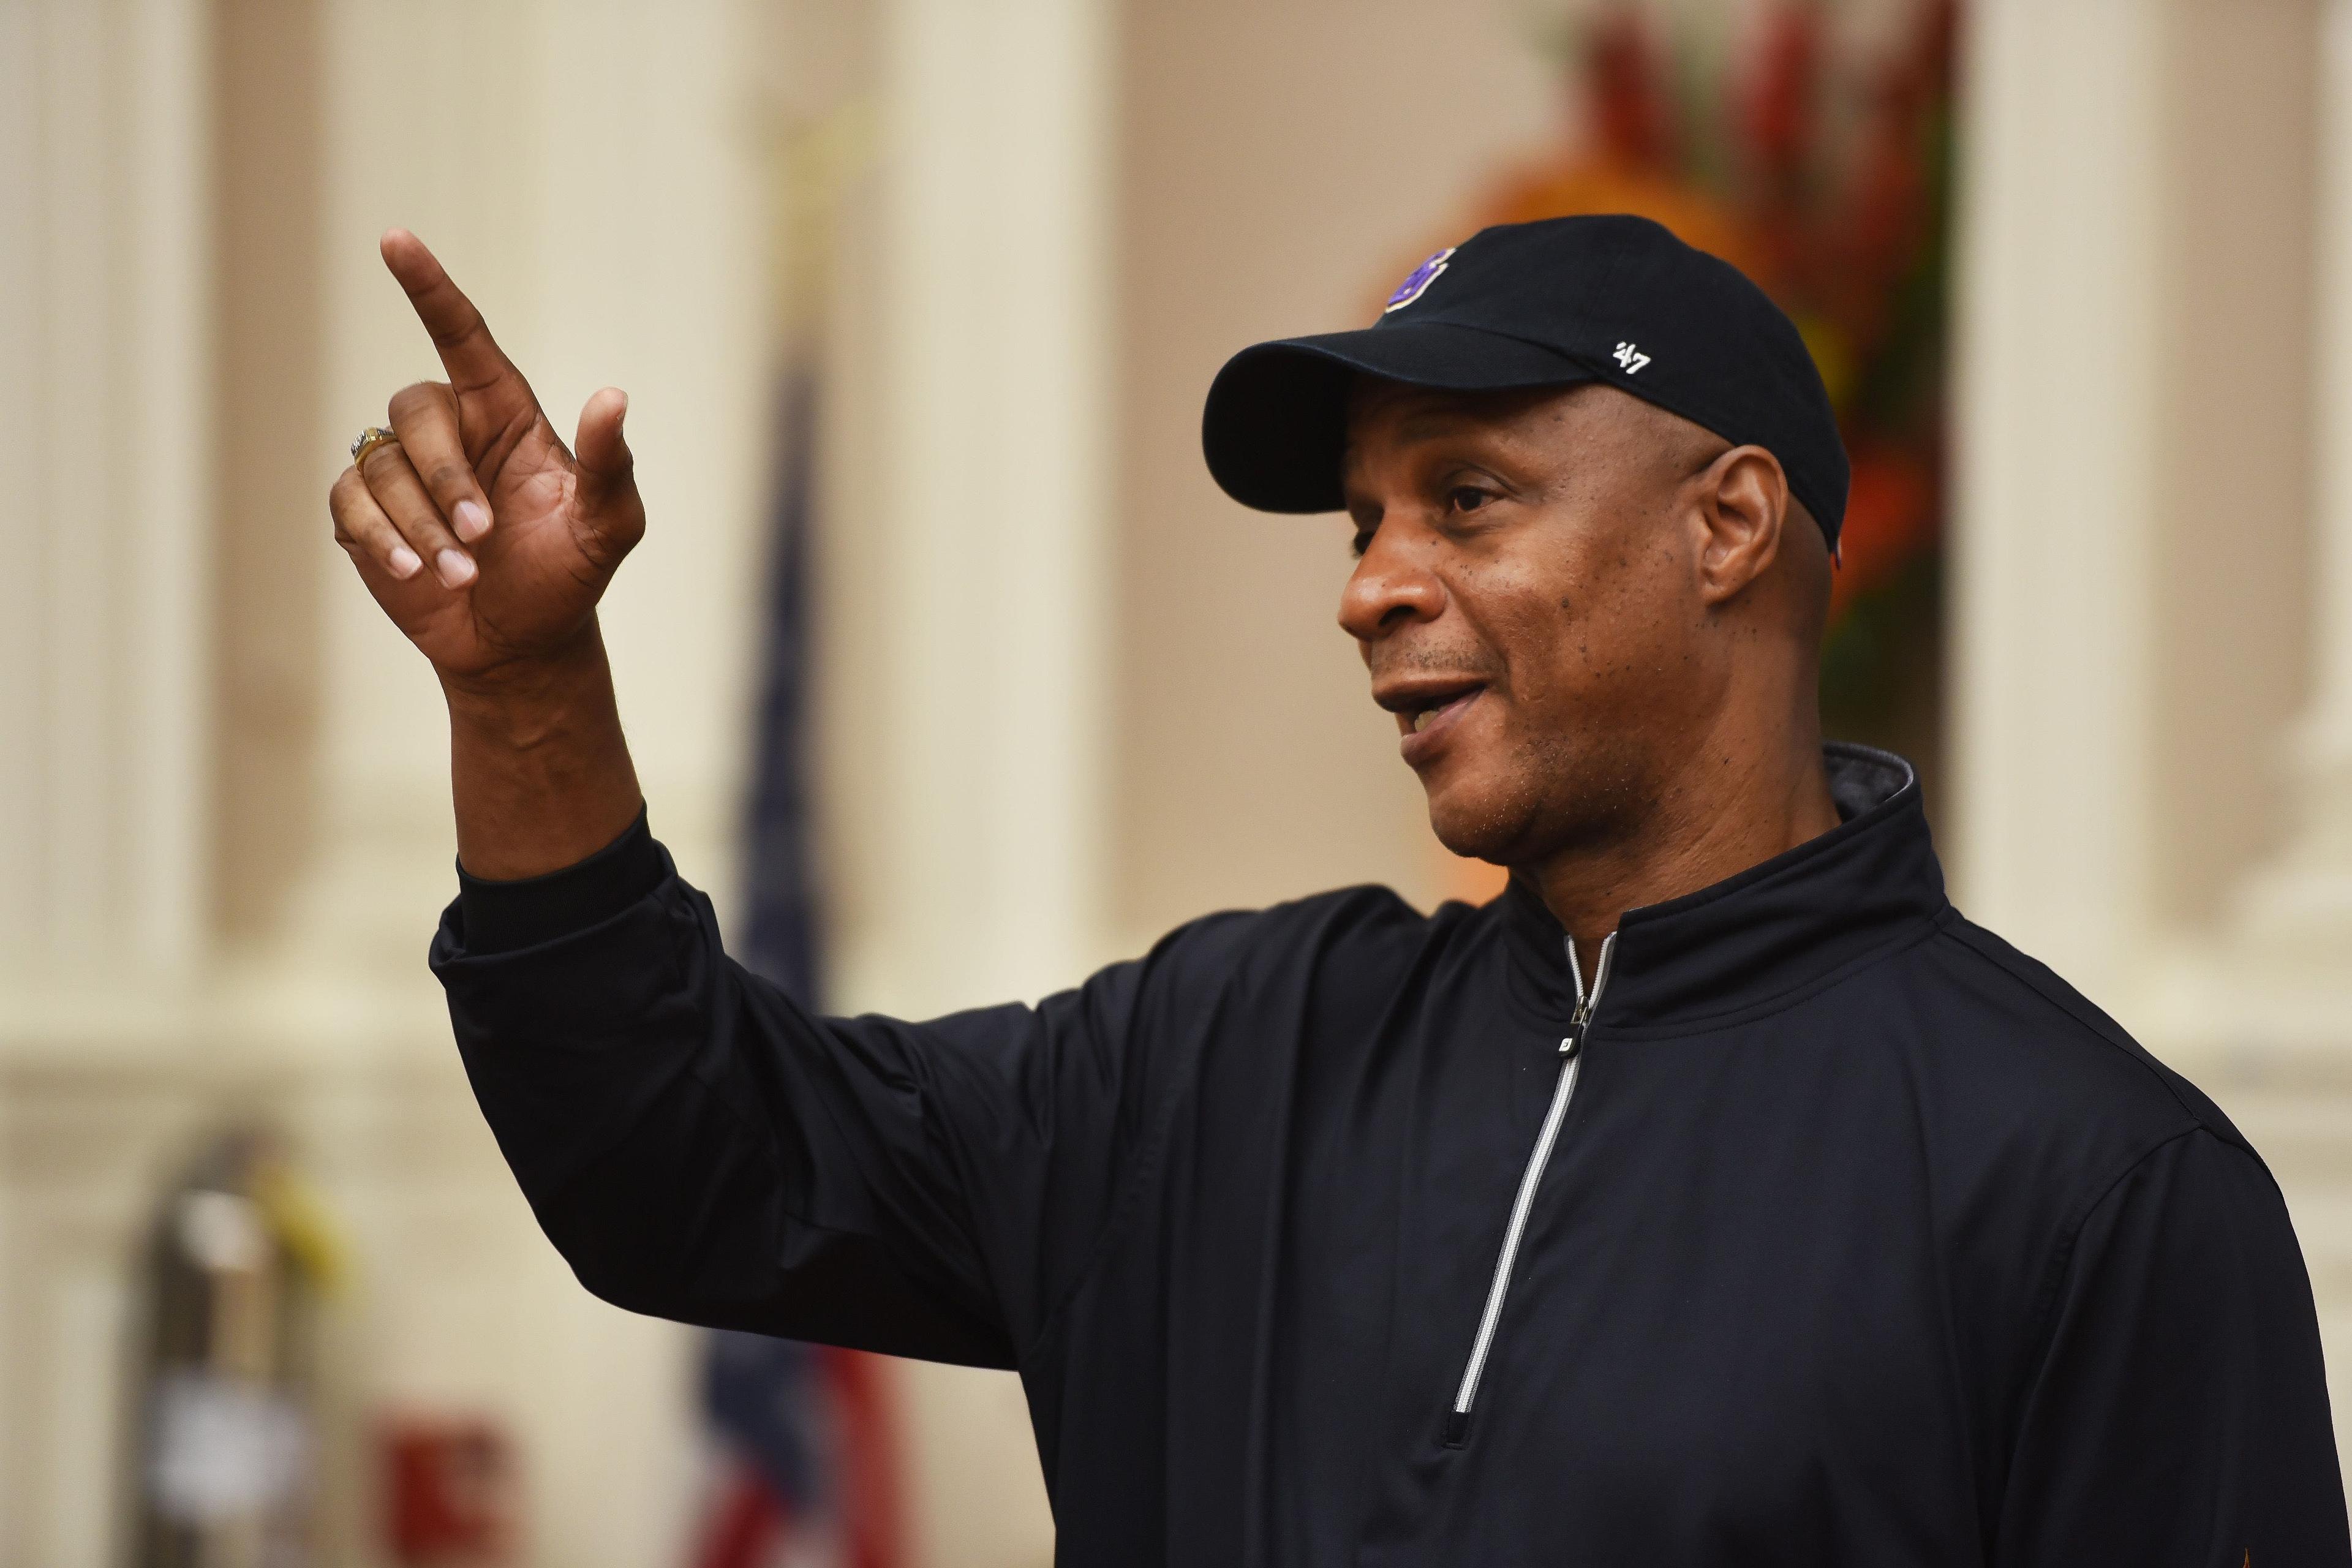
(700, 1148)
(2179, 1414)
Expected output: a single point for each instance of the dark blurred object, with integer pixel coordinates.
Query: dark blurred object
(451, 1496)
(239, 1256)
(804, 1435)
(765, 1401)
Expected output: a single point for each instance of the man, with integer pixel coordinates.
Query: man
(1716, 1196)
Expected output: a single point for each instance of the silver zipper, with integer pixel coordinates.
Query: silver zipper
(1571, 1048)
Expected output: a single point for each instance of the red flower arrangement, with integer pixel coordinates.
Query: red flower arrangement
(1828, 180)
(1849, 233)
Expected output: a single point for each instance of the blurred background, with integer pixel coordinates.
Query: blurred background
(949, 672)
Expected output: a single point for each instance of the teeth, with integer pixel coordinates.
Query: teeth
(1420, 719)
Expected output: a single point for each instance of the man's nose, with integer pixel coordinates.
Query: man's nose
(1390, 587)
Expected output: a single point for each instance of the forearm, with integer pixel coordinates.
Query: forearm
(539, 768)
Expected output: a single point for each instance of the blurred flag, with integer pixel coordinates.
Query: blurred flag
(803, 1432)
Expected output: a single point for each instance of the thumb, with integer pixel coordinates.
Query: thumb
(607, 475)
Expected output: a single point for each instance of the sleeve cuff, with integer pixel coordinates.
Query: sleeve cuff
(502, 916)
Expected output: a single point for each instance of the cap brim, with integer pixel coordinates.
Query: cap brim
(1276, 426)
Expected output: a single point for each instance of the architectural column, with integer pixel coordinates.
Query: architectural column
(991, 524)
(105, 487)
(105, 533)
(2053, 566)
(2302, 907)
(2280, 1002)
(591, 173)
(2062, 565)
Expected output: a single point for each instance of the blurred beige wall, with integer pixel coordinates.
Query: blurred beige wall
(2235, 490)
(268, 185)
(1283, 164)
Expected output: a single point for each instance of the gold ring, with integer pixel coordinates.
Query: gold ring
(372, 437)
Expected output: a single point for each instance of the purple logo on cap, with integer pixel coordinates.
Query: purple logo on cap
(1421, 278)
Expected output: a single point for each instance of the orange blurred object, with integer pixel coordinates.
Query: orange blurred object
(452, 1498)
(1602, 185)
(1473, 881)
(1889, 517)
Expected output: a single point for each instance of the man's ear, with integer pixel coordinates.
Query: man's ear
(1743, 504)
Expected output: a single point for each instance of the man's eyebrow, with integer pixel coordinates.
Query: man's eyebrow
(1418, 429)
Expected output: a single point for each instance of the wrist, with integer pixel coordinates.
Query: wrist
(538, 764)
(523, 698)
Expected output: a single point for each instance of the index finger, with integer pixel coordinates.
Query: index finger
(479, 372)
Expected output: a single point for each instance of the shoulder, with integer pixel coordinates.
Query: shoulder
(1359, 934)
(1272, 980)
(1337, 960)
(2051, 1125)
(2033, 1066)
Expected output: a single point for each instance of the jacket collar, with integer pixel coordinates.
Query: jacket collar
(1751, 941)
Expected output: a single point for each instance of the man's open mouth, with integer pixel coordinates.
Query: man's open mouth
(1419, 719)
(1422, 709)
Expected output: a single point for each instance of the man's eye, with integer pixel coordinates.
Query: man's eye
(1467, 497)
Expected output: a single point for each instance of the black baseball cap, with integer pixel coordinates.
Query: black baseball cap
(1556, 304)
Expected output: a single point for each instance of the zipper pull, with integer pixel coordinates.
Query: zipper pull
(1572, 1044)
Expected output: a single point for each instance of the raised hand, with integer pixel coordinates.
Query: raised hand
(489, 544)
(484, 538)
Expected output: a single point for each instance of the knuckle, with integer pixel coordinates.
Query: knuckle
(426, 532)
(385, 466)
(451, 479)
(416, 398)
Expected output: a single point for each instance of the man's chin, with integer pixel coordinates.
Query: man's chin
(1476, 824)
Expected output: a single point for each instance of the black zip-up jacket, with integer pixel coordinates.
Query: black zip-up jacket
(1856, 1238)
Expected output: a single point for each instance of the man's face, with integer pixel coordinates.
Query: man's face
(1528, 601)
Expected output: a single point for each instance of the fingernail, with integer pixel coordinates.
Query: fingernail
(457, 568)
(471, 519)
(402, 561)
